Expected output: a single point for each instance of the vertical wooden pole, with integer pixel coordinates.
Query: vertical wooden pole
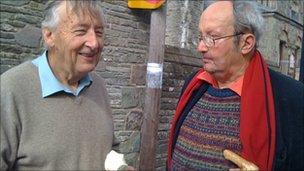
(149, 126)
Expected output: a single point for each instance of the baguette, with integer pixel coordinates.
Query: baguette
(239, 161)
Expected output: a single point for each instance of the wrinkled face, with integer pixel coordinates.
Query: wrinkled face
(217, 21)
(77, 42)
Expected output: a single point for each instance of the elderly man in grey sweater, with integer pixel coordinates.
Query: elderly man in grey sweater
(55, 113)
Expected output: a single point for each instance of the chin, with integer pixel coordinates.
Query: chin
(87, 69)
(208, 68)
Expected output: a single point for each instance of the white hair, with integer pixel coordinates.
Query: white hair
(52, 17)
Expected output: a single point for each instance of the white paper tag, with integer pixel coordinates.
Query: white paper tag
(114, 160)
(154, 75)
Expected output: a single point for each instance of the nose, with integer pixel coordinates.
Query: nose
(201, 46)
(93, 41)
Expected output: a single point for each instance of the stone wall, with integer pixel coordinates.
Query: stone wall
(182, 23)
(281, 42)
(284, 58)
(20, 31)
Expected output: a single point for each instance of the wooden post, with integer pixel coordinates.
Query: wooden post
(149, 126)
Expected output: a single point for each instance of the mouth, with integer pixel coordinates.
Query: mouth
(88, 55)
(206, 59)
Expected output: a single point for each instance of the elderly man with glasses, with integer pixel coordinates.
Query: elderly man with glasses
(235, 101)
(55, 112)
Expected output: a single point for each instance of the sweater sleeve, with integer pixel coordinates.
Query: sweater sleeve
(10, 128)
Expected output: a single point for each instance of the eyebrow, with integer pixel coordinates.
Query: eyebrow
(84, 25)
(207, 33)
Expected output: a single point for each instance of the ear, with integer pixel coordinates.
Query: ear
(48, 37)
(247, 43)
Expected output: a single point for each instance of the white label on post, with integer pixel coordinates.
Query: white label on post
(154, 75)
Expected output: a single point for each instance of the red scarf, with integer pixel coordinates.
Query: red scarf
(257, 118)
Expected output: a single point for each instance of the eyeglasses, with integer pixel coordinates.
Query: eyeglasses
(210, 41)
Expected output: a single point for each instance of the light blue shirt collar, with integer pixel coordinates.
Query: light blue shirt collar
(50, 84)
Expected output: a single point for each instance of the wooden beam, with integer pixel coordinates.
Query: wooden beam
(149, 128)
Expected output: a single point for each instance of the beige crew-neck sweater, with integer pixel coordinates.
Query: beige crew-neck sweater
(59, 132)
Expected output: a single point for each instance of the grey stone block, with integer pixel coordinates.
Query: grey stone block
(132, 144)
(134, 120)
(15, 2)
(29, 36)
(138, 74)
(129, 97)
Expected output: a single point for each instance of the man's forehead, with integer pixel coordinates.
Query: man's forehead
(220, 6)
(217, 15)
(66, 9)
(84, 21)
(83, 17)
(221, 10)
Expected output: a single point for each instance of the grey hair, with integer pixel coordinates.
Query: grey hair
(52, 17)
(247, 17)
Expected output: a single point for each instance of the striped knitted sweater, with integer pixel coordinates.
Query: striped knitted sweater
(211, 126)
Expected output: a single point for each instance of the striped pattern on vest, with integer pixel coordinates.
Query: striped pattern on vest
(211, 126)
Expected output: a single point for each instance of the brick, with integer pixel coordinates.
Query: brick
(138, 74)
(29, 36)
(129, 97)
(134, 120)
